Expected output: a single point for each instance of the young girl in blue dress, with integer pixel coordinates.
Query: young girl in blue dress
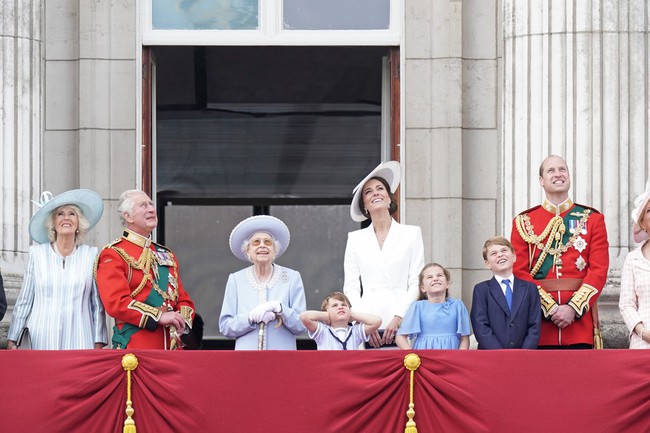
(434, 321)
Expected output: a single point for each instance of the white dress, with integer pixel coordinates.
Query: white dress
(60, 305)
(389, 275)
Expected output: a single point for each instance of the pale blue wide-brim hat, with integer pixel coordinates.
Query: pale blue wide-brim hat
(255, 224)
(389, 171)
(88, 201)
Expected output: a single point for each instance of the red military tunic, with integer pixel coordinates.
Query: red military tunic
(571, 246)
(126, 276)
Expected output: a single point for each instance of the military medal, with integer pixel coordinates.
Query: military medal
(164, 258)
(581, 264)
(154, 268)
(580, 244)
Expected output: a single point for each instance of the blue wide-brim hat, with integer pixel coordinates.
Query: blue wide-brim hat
(389, 171)
(256, 224)
(88, 201)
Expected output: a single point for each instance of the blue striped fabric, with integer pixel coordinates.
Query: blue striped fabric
(60, 305)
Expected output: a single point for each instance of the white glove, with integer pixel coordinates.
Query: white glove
(257, 314)
(273, 306)
(268, 317)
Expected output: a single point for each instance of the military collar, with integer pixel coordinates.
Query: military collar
(136, 238)
(557, 209)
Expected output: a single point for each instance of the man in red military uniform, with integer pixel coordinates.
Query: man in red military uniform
(562, 247)
(139, 284)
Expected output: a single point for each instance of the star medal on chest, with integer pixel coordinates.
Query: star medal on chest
(581, 264)
(580, 244)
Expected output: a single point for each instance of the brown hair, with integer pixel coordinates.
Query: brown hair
(393, 200)
(422, 295)
(334, 295)
(497, 240)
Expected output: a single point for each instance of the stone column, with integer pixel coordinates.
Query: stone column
(432, 107)
(576, 84)
(20, 108)
(451, 132)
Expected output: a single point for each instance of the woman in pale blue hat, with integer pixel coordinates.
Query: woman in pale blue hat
(59, 306)
(382, 261)
(262, 304)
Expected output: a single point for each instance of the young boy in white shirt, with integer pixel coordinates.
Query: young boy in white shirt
(336, 326)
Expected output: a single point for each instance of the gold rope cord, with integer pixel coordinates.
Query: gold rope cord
(555, 232)
(411, 362)
(147, 258)
(129, 363)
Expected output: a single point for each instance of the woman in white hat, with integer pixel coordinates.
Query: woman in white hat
(382, 261)
(634, 301)
(59, 306)
(262, 304)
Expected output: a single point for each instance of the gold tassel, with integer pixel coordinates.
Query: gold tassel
(598, 339)
(411, 362)
(129, 363)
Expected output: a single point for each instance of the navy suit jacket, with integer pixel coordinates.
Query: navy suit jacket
(495, 326)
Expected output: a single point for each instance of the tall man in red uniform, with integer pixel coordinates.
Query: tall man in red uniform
(139, 284)
(562, 247)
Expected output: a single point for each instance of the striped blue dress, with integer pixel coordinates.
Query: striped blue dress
(60, 304)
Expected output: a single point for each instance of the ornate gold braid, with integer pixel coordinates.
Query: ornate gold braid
(525, 230)
(143, 264)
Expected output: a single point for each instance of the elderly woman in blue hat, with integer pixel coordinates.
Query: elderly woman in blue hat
(262, 304)
(59, 306)
(382, 261)
(634, 301)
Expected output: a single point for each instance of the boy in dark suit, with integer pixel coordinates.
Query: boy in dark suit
(506, 311)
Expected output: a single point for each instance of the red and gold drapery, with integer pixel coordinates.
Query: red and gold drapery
(339, 391)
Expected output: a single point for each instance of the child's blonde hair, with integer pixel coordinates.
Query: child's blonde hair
(335, 295)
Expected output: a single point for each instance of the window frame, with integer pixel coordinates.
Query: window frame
(270, 31)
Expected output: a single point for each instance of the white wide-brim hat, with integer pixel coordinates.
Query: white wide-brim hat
(256, 224)
(640, 204)
(389, 171)
(88, 201)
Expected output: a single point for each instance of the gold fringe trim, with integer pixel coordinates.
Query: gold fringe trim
(411, 362)
(129, 363)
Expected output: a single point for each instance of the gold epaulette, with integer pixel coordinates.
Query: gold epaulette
(547, 302)
(580, 299)
(110, 245)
